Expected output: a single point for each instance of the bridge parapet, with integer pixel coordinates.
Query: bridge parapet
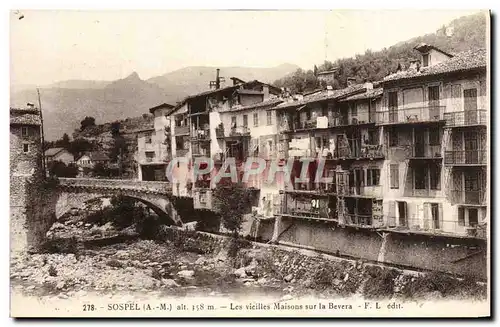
(118, 184)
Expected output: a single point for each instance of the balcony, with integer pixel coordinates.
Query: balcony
(201, 135)
(239, 131)
(306, 213)
(311, 187)
(181, 152)
(425, 151)
(367, 151)
(358, 220)
(465, 158)
(413, 115)
(469, 197)
(200, 152)
(181, 130)
(465, 118)
(361, 191)
(451, 228)
(306, 206)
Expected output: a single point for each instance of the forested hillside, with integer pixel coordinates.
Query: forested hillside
(461, 34)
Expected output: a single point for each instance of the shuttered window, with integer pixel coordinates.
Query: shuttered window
(394, 175)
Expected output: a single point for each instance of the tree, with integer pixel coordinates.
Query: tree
(100, 170)
(115, 128)
(232, 201)
(65, 141)
(80, 146)
(300, 81)
(87, 122)
(60, 169)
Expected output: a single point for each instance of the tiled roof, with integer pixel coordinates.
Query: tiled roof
(26, 119)
(321, 96)
(267, 103)
(227, 88)
(367, 95)
(25, 116)
(53, 151)
(96, 156)
(463, 61)
(163, 105)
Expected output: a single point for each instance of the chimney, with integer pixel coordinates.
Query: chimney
(217, 80)
(368, 85)
(351, 81)
(265, 90)
(414, 65)
(329, 90)
(298, 97)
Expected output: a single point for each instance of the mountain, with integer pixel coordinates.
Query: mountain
(65, 108)
(464, 33)
(195, 79)
(66, 103)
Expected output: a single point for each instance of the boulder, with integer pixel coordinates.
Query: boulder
(169, 283)
(60, 285)
(191, 226)
(186, 273)
(240, 273)
(288, 278)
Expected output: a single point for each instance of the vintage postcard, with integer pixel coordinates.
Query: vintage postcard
(327, 163)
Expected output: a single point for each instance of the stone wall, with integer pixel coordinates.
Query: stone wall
(451, 255)
(329, 274)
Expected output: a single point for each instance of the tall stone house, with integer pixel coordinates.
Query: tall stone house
(27, 199)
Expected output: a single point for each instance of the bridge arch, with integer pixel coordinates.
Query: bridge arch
(74, 193)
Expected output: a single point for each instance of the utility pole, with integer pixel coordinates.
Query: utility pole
(42, 134)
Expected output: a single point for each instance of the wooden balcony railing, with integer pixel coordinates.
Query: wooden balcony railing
(426, 151)
(201, 135)
(181, 130)
(469, 197)
(466, 157)
(465, 118)
(181, 152)
(411, 115)
(366, 151)
(240, 131)
(443, 227)
(358, 220)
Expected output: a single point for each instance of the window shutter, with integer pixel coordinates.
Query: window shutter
(440, 215)
(427, 208)
(391, 216)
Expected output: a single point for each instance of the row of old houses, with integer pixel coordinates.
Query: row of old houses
(407, 154)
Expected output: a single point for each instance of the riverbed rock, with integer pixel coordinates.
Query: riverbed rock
(169, 282)
(60, 285)
(240, 273)
(186, 273)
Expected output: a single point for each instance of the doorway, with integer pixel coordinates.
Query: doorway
(403, 214)
(419, 146)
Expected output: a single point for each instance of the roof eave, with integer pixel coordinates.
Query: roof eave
(416, 77)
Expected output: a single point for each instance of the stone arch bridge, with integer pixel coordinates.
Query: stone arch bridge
(74, 192)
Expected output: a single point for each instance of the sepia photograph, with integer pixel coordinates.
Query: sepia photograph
(257, 163)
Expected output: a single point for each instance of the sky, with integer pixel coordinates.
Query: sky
(51, 46)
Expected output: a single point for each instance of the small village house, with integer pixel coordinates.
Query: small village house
(58, 154)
